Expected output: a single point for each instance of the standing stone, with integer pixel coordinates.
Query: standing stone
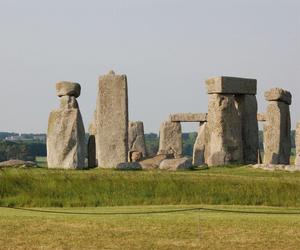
(112, 120)
(224, 128)
(66, 134)
(199, 146)
(247, 105)
(277, 128)
(297, 160)
(170, 139)
(136, 138)
(92, 161)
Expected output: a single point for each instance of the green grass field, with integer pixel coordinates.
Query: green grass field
(105, 191)
(88, 188)
(183, 230)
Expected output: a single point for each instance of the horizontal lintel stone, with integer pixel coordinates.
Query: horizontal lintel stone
(277, 94)
(188, 117)
(231, 85)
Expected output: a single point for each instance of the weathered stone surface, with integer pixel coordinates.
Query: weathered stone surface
(93, 125)
(136, 138)
(170, 139)
(277, 129)
(261, 117)
(224, 131)
(183, 163)
(297, 142)
(68, 102)
(199, 146)
(277, 94)
(247, 106)
(92, 161)
(153, 163)
(188, 117)
(129, 166)
(68, 89)
(231, 85)
(17, 164)
(66, 138)
(135, 156)
(273, 167)
(112, 120)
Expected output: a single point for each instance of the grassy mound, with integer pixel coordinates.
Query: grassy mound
(221, 185)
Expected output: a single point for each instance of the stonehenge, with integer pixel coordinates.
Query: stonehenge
(227, 133)
(277, 127)
(112, 120)
(232, 127)
(66, 134)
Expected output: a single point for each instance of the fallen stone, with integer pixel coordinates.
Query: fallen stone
(231, 85)
(184, 163)
(278, 94)
(112, 120)
(135, 156)
(65, 88)
(153, 163)
(274, 167)
(17, 164)
(188, 117)
(129, 166)
(170, 139)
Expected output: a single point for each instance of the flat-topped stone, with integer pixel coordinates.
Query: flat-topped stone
(231, 85)
(278, 94)
(66, 88)
(188, 117)
(261, 117)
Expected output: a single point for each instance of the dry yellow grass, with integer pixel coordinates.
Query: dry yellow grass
(184, 230)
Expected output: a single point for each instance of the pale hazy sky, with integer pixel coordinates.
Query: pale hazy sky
(167, 48)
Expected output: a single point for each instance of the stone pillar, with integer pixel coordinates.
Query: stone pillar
(232, 105)
(199, 146)
(225, 145)
(66, 135)
(247, 105)
(92, 161)
(277, 128)
(297, 140)
(136, 139)
(112, 120)
(170, 139)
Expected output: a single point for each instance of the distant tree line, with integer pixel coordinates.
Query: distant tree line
(21, 150)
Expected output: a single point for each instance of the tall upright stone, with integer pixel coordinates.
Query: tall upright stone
(231, 121)
(112, 120)
(136, 138)
(277, 128)
(199, 146)
(247, 105)
(66, 135)
(170, 139)
(225, 145)
(297, 140)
